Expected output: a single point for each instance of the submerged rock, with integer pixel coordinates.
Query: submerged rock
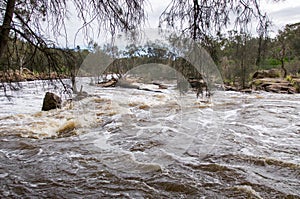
(160, 86)
(126, 84)
(51, 101)
(81, 94)
(110, 83)
(68, 129)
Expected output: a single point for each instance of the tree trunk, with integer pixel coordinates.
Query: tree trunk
(73, 80)
(195, 22)
(258, 58)
(5, 28)
(283, 68)
(282, 55)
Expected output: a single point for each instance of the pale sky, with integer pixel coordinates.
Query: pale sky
(282, 13)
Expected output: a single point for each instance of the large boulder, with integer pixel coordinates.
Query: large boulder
(272, 73)
(27, 74)
(275, 85)
(51, 101)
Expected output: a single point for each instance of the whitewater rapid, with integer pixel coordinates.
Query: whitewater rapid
(129, 143)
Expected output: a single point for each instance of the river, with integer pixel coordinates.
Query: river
(129, 143)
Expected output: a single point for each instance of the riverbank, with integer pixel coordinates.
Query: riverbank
(27, 75)
(264, 80)
(269, 81)
(128, 143)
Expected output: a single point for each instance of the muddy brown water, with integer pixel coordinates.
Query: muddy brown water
(135, 144)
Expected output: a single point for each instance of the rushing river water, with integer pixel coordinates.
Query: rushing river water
(129, 143)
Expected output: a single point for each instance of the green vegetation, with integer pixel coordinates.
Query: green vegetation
(239, 56)
(235, 55)
(295, 84)
(24, 43)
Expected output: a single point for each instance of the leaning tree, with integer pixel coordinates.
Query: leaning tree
(33, 20)
(37, 22)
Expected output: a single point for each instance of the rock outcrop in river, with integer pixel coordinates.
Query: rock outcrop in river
(27, 75)
(51, 101)
(270, 81)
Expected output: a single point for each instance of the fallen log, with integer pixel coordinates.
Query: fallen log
(109, 83)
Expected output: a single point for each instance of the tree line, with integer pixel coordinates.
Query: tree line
(240, 55)
(237, 55)
(25, 40)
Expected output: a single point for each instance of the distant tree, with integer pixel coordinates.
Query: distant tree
(282, 52)
(286, 45)
(294, 39)
(205, 20)
(263, 40)
(239, 57)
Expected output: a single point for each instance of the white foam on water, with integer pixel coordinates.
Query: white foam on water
(248, 189)
(45, 124)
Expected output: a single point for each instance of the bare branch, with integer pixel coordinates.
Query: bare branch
(201, 18)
